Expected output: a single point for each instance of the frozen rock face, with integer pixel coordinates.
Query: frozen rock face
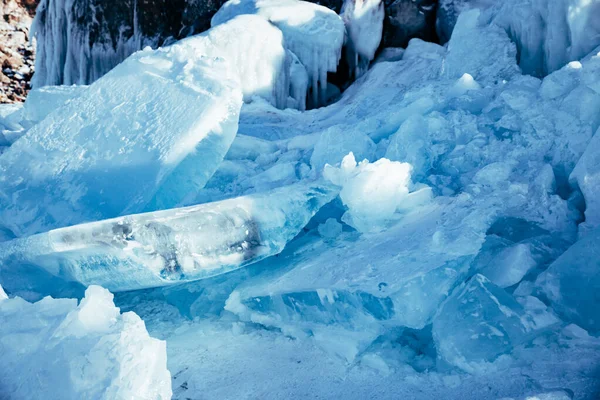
(314, 33)
(572, 282)
(478, 323)
(364, 26)
(407, 19)
(104, 154)
(173, 246)
(56, 349)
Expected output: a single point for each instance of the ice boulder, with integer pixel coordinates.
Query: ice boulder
(510, 265)
(586, 176)
(255, 50)
(141, 138)
(364, 25)
(483, 51)
(373, 192)
(572, 282)
(477, 324)
(56, 349)
(171, 246)
(313, 32)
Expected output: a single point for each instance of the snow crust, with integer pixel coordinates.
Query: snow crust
(57, 349)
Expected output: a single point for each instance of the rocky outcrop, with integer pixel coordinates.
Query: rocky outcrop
(16, 52)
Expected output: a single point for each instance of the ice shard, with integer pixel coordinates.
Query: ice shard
(172, 246)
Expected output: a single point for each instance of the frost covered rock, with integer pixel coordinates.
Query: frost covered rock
(172, 246)
(373, 192)
(313, 32)
(586, 176)
(407, 19)
(142, 138)
(478, 323)
(572, 282)
(330, 229)
(364, 26)
(56, 349)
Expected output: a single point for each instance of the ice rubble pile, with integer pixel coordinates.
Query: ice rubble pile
(314, 33)
(57, 349)
(464, 231)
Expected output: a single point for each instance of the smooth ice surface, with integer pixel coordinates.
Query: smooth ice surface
(57, 349)
(172, 246)
(572, 282)
(312, 32)
(478, 323)
(105, 154)
(364, 26)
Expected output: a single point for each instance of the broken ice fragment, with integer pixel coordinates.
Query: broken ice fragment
(172, 246)
(478, 323)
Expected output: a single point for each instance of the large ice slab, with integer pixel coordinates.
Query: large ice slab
(172, 246)
(478, 323)
(145, 136)
(572, 282)
(56, 349)
(313, 32)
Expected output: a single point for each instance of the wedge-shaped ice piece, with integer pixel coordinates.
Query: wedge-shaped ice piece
(313, 32)
(478, 323)
(141, 138)
(55, 349)
(172, 246)
(572, 282)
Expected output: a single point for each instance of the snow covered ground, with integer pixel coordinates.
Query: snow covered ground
(431, 235)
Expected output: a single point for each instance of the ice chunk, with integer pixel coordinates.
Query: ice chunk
(313, 32)
(172, 246)
(42, 101)
(145, 136)
(335, 143)
(3, 295)
(364, 25)
(330, 229)
(55, 349)
(586, 176)
(255, 50)
(484, 52)
(478, 323)
(572, 282)
(510, 265)
(373, 191)
(390, 54)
